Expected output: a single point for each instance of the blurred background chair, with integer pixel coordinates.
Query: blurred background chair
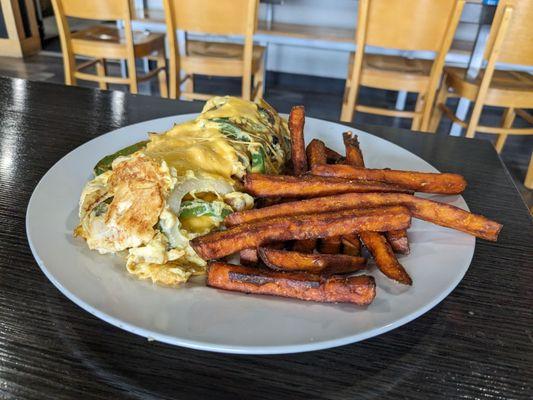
(510, 42)
(308, 45)
(190, 57)
(104, 42)
(415, 25)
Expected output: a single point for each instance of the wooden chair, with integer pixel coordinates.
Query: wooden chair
(217, 17)
(511, 42)
(103, 42)
(412, 25)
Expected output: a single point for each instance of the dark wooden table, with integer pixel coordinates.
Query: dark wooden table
(477, 344)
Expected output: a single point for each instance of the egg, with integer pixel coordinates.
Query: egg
(152, 198)
(136, 188)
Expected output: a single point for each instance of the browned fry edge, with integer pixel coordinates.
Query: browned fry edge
(296, 129)
(316, 153)
(351, 245)
(399, 241)
(360, 289)
(426, 182)
(354, 156)
(285, 260)
(315, 225)
(385, 259)
(261, 185)
(332, 156)
(428, 210)
(330, 245)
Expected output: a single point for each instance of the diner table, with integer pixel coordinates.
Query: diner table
(476, 344)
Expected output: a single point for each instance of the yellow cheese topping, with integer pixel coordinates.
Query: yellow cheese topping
(191, 146)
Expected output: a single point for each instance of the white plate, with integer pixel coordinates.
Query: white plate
(202, 318)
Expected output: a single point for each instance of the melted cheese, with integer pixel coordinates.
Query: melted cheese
(193, 146)
(229, 107)
(222, 143)
(202, 147)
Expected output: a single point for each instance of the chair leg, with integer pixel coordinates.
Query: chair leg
(474, 119)
(132, 75)
(436, 115)
(529, 176)
(69, 65)
(507, 122)
(174, 77)
(349, 98)
(348, 102)
(417, 119)
(259, 80)
(188, 85)
(429, 104)
(101, 69)
(246, 92)
(69, 79)
(162, 75)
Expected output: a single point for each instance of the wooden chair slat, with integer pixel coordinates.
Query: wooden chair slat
(510, 41)
(102, 42)
(418, 25)
(216, 17)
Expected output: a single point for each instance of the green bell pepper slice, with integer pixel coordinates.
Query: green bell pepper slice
(231, 130)
(200, 208)
(258, 161)
(105, 163)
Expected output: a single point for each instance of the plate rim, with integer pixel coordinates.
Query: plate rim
(233, 349)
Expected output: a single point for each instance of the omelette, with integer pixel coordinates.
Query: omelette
(148, 200)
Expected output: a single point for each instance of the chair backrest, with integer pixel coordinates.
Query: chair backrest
(219, 17)
(407, 24)
(100, 10)
(96, 9)
(516, 44)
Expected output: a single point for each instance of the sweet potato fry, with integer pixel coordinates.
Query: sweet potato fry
(284, 260)
(351, 245)
(248, 256)
(330, 245)
(269, 201)
(332, 156)
(316, 153)
(354, 156)
(296, 129)
(299, 285)
(398, 241)
(418, 181)
(222, 243)
(427, 210)
(385, 259)
(260, 185)
(304, 246)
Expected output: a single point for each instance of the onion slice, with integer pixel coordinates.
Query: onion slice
(218, 186)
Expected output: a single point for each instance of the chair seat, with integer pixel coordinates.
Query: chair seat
(101, 41)
(394, 73)
(507, 88)
(220, 59)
